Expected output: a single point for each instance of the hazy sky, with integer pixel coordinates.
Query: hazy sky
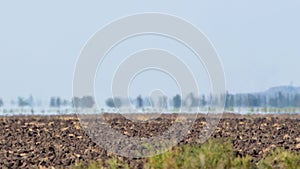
(258, 41)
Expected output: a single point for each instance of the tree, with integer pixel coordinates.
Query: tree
(30, 101)
(203, 101)
(163, 102)
(65, 102)
(139, 100)
(177, 101)
(191, 101)
(58, 102)
(1, 103)
(118, 102)
(273, 102)
(22, 102)
(113, 103)
(110, 103)
(281, 100)
(52, 102)
(84, 102)
(55, 102)
(229, 100)
(76, 102)
(87, 102)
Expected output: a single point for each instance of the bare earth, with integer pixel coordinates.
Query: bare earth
(60, 141)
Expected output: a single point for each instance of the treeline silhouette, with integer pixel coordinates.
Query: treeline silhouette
(278, 100)
(277, 97)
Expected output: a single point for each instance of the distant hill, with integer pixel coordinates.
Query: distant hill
(285, 90)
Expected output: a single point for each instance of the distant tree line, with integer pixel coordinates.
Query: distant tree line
(83, 102)
(277, 100)
(22, 102)
(163, 102)
(58, 102)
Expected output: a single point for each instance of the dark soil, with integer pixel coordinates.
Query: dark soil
(59, 141)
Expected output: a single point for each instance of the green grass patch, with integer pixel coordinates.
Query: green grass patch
(211, 155)
(280, 159)
(214, 154)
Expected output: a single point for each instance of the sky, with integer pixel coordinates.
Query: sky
(257, 41)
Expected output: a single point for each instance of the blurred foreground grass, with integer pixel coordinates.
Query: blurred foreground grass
(214, 154)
